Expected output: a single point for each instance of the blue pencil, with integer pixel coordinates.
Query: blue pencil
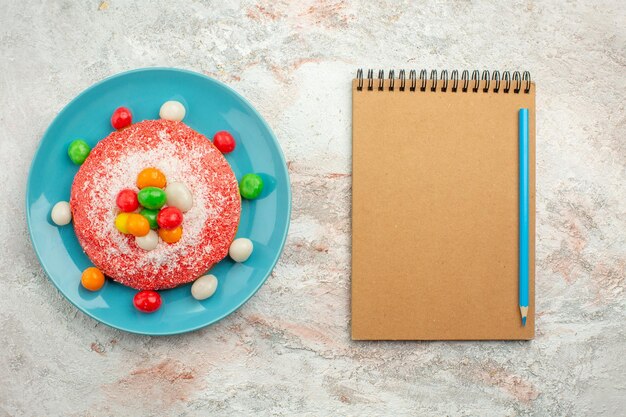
(523, 215)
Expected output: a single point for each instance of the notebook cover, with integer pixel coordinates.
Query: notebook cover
(435, 214)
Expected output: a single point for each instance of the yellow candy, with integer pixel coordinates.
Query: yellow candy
(121, 221)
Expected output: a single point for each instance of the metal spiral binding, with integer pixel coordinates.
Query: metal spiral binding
(475, 75)
(444, 79)
(465, 78)
(491, 81)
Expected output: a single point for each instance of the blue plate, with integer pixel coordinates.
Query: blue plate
(211, 106)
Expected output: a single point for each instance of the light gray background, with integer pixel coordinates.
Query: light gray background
(288, 351)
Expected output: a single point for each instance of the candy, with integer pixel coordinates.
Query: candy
(137, 225)
(179, 196)
(149, 241)
(151, 216)
(61, 213)
(241, 249)
(127, 200)
(171, 236)
(204, 287)
(224, 141)
(92, 279)
(172, 110)
(250, 186)
(78, 151)
(151, 177)
(121, 222)
(152, 198)
(169, 218)
(147, 301)
(121, 118)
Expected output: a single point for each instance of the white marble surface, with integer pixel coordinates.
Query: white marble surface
(288, 351)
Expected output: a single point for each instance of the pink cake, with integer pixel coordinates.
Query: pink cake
(183, 155)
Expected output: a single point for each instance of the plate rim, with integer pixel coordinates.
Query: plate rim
(283, 166)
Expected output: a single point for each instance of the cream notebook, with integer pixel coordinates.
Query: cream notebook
(435, 205)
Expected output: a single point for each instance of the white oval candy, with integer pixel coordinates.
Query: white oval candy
(204, 287)
(172, 110)
(149, 241)
(61, 213)
(179, 196)
(241, 249)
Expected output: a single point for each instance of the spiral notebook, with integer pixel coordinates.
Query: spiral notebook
(435, 205)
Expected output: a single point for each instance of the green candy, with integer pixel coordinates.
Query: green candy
(250, 186)
(151, 216)
(152, 198)
(78, 151)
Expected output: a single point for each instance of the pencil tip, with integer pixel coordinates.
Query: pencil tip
(523, 321)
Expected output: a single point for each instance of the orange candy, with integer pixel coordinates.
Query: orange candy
(171, 236)
(151, 177)
(137, 225)
(92, 279)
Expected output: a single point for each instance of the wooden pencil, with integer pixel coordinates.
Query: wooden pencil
(523, 215)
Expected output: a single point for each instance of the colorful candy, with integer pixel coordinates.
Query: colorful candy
(92, 279)
(127, 200)
(250, 186)
(172, 235)
(151, 216)
(224, 141)
(137, 225)
(204, 287)
(169, 218)
(179, 196)
(78, 151)
(151, 177)
(241, 249)
(61, 213)
(148, 242)
(147, 301)
(121, 222)
(152, 198)
(172, 110)
(121, 118)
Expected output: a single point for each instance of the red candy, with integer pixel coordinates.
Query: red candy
(169, 218)
(224, 141)
(127, 200)
(147, 301)
(121, 118)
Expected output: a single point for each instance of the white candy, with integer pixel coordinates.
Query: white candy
(204, 287)
(179, 196)
(241, 249)
(172, 110)
(149, 241)
(61, 213)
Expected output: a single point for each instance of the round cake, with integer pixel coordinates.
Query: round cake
(183, 155)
